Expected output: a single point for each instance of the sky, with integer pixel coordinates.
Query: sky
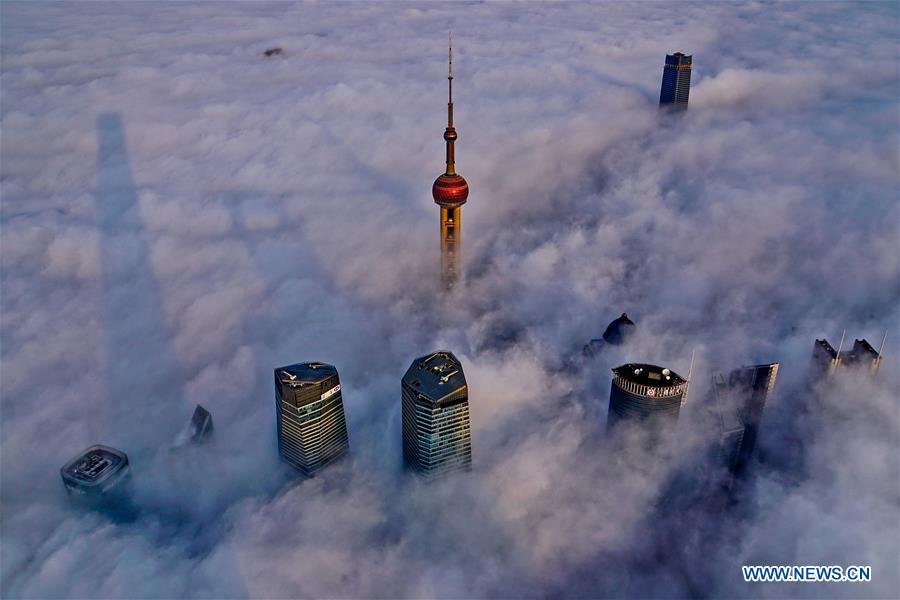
(181, 215)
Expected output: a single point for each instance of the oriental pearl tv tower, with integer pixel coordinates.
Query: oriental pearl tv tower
(450, 192)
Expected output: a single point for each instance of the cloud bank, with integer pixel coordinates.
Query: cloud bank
(181, 214)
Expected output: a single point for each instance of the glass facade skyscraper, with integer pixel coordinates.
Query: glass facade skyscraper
(647, 393)
(309, 409)
(437, 435)
(731, 429)
(676, 81)
(742, 398)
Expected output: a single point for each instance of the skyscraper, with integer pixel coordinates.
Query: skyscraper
(826, 361)
(676, 81)
(201, 425)
(450, 192)
(309, 409)
(744, 393)
(618, 331)
(824, 358)
(97, 475)
(646, 393)
(731, 428)
(437, 435)
(862, 355)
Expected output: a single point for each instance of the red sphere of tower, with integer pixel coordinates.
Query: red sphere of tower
(450, 190)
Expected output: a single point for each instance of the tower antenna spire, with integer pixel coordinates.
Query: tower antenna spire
(450, 55)
(687, 387)
(449, 79)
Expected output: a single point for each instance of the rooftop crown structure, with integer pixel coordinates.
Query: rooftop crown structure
(450, 192)
(309, 409)
(436, 430)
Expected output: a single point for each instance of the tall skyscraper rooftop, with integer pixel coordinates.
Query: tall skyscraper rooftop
(437, 435)
(201, 425)
(617, 331)
(309, 408)
(676, 81)
(826, 360)
(648, 393)
(96, 473)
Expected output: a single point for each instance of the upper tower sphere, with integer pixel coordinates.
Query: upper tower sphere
(450, 190)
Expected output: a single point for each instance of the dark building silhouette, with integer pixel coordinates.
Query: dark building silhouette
(826, 361)
(862, 355)
(824, 358)
(437, 435)
(618, 331)
(201, 425)
(616, 334)
(646, 393)
(98, 475)
(309, 408)
(731, 430)
(676, 81)
(741, 398)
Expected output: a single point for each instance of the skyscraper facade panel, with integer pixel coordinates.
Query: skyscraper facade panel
(312, 429)
(437, 435)
(745, 392)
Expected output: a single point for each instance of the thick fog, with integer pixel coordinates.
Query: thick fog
(182, 214)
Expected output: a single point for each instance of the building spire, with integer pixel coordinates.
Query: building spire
(450, 132)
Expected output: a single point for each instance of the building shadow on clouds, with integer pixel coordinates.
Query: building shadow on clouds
(144, 405)
(144, 383)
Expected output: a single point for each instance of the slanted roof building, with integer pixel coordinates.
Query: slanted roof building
(437, 436)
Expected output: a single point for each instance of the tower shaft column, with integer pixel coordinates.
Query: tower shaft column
(451, 231)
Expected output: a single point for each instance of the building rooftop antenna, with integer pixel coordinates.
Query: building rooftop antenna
(687, 387)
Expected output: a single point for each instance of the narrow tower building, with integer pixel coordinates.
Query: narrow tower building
(437, 435)
(450, 192)
(742, 397)
(676, 81)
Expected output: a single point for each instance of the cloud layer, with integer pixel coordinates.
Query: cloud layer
(181, 215)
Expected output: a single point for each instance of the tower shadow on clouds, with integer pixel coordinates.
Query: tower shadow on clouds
(143, 392)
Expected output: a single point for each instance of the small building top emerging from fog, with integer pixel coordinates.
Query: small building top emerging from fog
(94, 466)
(436, 376)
